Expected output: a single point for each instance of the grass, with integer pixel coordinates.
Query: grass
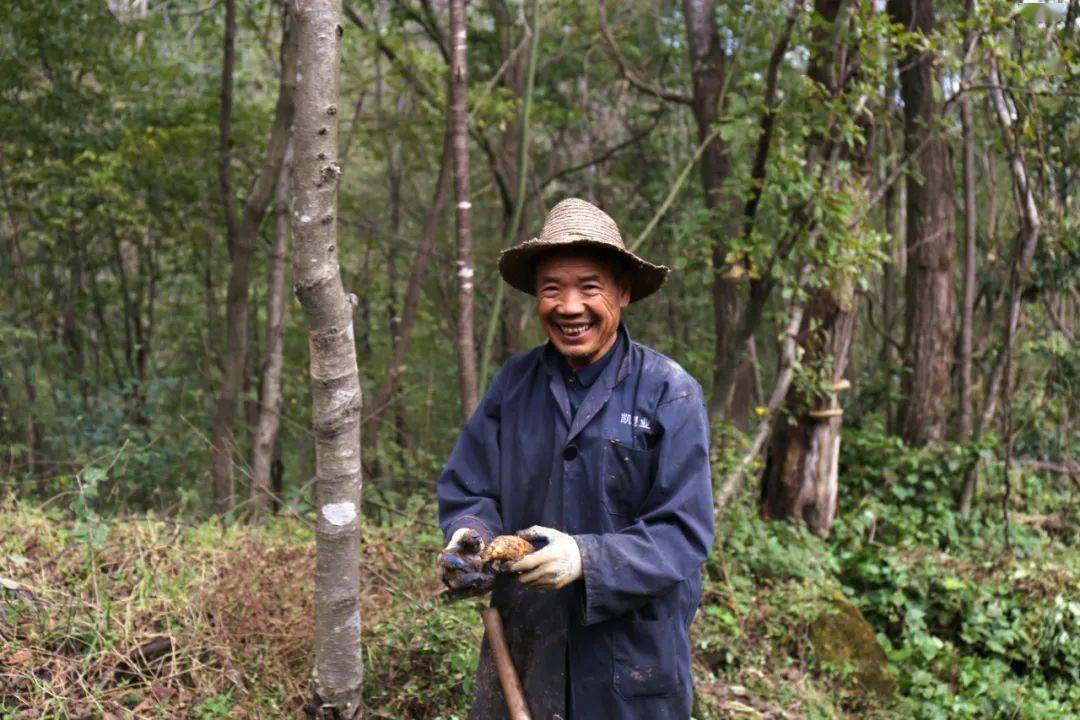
(139, 617)
(226, 613)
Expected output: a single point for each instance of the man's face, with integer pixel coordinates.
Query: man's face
(579, 301)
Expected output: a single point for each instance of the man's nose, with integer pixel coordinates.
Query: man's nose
(571, 304)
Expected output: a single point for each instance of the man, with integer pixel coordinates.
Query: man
(596, 449)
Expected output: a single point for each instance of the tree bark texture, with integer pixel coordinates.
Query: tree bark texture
(708, 68)
(335, 381)
(928, 334)
(459, 133)
(801, 480)
(236, 302)
(277, 313)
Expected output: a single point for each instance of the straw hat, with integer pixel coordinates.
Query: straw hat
(575, 222)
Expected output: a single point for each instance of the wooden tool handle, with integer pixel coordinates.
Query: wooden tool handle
(504, 665)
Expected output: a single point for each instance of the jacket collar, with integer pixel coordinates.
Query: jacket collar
(600, 391)
(553, 360)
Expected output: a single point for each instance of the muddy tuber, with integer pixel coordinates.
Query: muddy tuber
(469, 568)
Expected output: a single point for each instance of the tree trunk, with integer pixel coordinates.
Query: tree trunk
(521, 80)
(967, 313)
(236, 303)
(732, 385)
(928, 334)
(385, 393)
(270, 397)
(338, 676)
(891, 205)
(801, 481)
(459, 133)
(228, 63)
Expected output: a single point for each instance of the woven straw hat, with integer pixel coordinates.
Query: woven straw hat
(575, 222)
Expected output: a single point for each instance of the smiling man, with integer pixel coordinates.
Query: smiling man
(596, 449)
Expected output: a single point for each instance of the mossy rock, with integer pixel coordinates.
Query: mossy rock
(841, 636)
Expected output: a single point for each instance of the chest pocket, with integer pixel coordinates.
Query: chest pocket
(626, 475)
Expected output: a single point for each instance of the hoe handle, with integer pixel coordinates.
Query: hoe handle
(508, 677)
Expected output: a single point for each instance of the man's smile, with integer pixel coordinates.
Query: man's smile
(574, 330)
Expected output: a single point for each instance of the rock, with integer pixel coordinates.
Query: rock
(841, 636)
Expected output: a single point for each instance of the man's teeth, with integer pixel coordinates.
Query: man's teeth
(573, 330)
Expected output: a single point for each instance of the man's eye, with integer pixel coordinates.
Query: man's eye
(592, 287)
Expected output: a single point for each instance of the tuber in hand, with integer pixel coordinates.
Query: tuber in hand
(468, 567)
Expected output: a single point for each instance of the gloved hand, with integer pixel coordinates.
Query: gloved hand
(554, 566)
(460, 567)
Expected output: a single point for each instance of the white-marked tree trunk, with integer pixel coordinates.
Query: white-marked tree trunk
(459, 133)
(338, 675)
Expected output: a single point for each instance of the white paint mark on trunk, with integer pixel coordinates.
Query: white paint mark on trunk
(341, 513)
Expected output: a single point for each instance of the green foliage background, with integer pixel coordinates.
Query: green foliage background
(111, 304)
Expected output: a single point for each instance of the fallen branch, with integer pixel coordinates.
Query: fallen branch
(141, 658)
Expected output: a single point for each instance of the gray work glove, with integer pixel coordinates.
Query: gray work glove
(554, 566)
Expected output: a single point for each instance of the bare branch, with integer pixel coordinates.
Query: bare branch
(631, 76)
(602, 156)
(761, 157)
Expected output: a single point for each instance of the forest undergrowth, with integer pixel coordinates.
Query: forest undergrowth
(902, 612)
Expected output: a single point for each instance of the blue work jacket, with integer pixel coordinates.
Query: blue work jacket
(627, 476)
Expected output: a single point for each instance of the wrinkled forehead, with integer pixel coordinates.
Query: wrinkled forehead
(574, 262)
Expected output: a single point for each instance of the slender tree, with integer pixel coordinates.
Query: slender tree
(733, 375)
(801, 479)
(928, 334)
(277, 313)
(384, 395)
(1027, 241)
(335, 381)
(709, 68)
(967, 311)
(892, 208)
(237, 300)
(520, 170)
(228, 67)
(459, 133)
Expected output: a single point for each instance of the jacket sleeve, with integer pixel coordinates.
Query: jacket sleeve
(468, 488)
(673, 532)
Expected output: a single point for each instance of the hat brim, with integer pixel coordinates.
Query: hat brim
(517, 265)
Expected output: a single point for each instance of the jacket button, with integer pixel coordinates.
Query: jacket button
(569, 453)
